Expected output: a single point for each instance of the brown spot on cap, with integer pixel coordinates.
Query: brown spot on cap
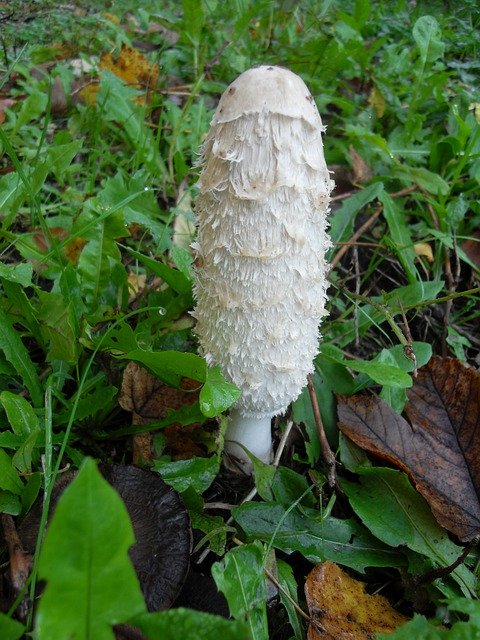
(232, 90)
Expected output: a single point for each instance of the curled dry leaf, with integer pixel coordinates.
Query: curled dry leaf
(341, 609)
(149, 399)
(361, 170)
(437, 443)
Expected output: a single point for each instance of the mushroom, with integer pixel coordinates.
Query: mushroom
(260, 283)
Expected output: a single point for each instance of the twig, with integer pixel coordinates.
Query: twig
(441, 572)
(367, 224)
(273, 579)
(327, 454)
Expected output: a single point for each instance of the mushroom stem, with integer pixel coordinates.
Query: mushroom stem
(253, 433)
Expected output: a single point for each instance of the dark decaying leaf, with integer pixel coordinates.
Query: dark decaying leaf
(438, 444)
(160, 523)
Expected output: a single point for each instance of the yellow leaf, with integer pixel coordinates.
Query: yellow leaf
(341, 609)
(132, 67)
(425, 250)
(377, 101)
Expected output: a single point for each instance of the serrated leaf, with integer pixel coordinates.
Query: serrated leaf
(21, 416)
(20, 273)
(9, 480)
(171, 366)
(84, 569)
(402, 242)
(16, 353)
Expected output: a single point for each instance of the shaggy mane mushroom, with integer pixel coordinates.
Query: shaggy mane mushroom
(261, 276)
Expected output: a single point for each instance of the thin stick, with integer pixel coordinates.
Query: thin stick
(327, 454)
(271, 577)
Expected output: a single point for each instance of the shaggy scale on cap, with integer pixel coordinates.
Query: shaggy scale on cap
(261, 218)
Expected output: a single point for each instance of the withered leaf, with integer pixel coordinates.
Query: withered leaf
(437, 443)
(341, 609)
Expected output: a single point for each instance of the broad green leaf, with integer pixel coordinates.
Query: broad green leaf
(32, 107)
(16, 296)
(198, 473)
(402, 242)
(396, 514)
(10, 503)
(217, 394)
(241, 579)
(16, 353)
(193, 20)
(288, 487)
(91, 583)
(22, 458)
(58, 327)
(97, 398)
(214, 528)
(382, 373)
(10, 629)
(418, 628)
(60, 156)
(316, 538)
(428, 37)
(9, 480)
(20, 273)
(21, 416)
(180, 623)
(431, 182)
(171, 366)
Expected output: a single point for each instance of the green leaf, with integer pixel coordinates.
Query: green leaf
(180, 623)
(10, 629)
(287, 580)
(217, 394)
(20, 273)
(198, 473)
(428, 37)
(60, 156)
(10, 503)
(418, 628)
(171, 366)
(16, 353)
(91, 583)
(341, 226)
(396, 514)
(431, 182)
(175, 279)
(21, 416)
(318, 539)
(402, 242)
(193, 20)
(241, 579)
(9, 480)
(384, 374)
(58, 327)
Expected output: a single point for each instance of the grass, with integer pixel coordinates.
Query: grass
(104, 109)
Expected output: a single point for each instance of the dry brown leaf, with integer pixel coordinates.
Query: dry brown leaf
(438, 444)
(150, 399)
(341, 609)
(361, 170)
(472, 248)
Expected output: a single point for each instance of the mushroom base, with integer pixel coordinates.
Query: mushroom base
(253, 434)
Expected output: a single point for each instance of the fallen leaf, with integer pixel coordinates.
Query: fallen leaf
(132, 67)
(425, 250)
(377, 101)
(150, 399)
(437, 443)
(361, 170)
(341, 609)
(471, 246)
(5, 103)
